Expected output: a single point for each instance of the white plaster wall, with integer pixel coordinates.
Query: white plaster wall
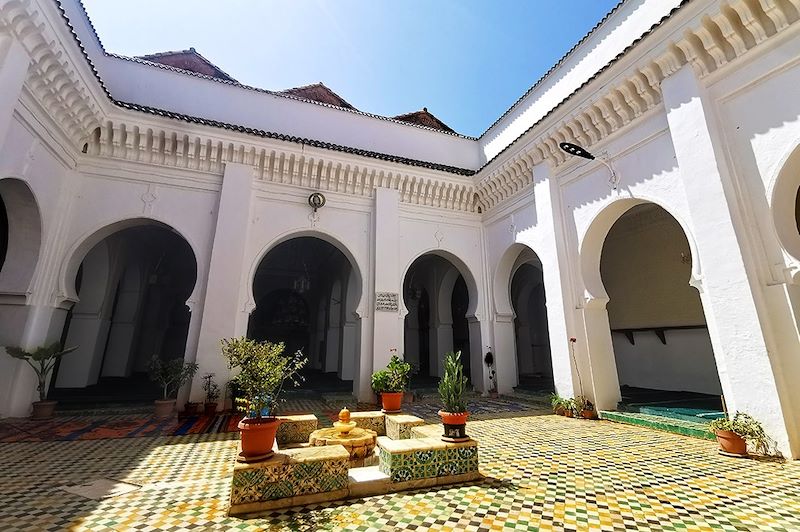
(152, 86)
(685, 363)
(630, 22)
(759, 126)
(460, 241)
(103, 199)
(23, 156)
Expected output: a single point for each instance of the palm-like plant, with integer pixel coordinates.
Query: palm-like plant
(453, 384)
(42, 360)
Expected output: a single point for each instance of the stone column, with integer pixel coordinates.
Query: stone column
(14, 62)
(333, 336)
(505, 353)
(223, 315)
(478, 373)
(746, 371)
(443, 332)
(388, 326)
(551, 247)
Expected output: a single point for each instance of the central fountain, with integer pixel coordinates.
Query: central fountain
(359, 443)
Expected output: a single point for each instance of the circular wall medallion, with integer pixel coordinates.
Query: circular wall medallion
(316, 200)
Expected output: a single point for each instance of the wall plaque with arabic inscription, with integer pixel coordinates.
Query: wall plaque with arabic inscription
(386, 302)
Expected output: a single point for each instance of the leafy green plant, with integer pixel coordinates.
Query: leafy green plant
(171, 374)
(392, 379)
(558, 403)
(263, 370)
(211, 388)
(578, 404)
(42, 360)
(748, 428)
(453, 384)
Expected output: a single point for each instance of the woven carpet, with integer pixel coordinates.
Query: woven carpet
(114, 426)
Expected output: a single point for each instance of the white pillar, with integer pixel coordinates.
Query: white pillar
(349, 350)
(388, 326)
(478, 372)
(504, 352)
(43, 326)
(14, 62)
(223, 316)
(119, 353)
(524, 351)
(443, 332)
(743, 360)
(551, 247)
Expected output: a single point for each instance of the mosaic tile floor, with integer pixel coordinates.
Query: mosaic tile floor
(543, 473)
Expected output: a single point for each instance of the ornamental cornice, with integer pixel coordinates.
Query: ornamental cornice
(52, 80)
(708, 44)
(279, 162)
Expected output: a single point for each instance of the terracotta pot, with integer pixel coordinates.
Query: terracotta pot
(43, 409)
(455, 425)
(450, 418)
(191, 409)
(210, 409)
(730, 442)
(391, 401)
(560, 411)
(258, 437)
(588, 414)
(164, 408)
(568, 412)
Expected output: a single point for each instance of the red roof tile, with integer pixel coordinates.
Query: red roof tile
(424, 118)
(188, 60)
(319, 93)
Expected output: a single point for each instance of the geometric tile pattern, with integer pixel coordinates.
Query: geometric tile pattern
(370, 420)
(541, 472)
(276, 479)
(429, 463)
(398, 426)
(296, 429)
(695, 429)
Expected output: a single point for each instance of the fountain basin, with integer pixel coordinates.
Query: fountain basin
(359, 443)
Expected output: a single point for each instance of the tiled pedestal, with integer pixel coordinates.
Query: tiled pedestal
(426, 458)
(296, 429)
(372, 420)
(291, 477)
(398, 426)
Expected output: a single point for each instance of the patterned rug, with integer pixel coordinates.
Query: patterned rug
(115, 426)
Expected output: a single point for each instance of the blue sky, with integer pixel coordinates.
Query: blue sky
(467, 61)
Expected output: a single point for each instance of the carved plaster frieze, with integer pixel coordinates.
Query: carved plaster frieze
(713, 42)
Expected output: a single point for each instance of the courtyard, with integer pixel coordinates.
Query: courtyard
(542, 472)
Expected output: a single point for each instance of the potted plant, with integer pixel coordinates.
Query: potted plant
(170, 376)
(42, 360)
(569, 407)
(391, 383)
(212, 394)
(191, 408)
(582, 407)
(452, 387)
(559, 404)
(733, 434)
(263, 369)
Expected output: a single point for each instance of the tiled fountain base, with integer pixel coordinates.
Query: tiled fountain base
(302, 474)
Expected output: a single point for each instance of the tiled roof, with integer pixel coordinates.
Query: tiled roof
(188, 60)
(424, 118)
(318, 92)
(382, 156)
(297, 140)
